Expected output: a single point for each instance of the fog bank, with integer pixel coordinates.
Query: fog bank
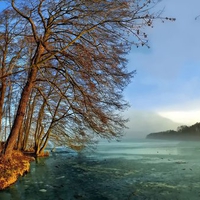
(141, 123)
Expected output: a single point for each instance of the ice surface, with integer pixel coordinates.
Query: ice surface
(134, 170)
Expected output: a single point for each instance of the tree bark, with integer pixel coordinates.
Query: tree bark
(28, 120)
(2, 97)
(20, 113)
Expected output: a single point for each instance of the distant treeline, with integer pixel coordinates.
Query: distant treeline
(182, 133)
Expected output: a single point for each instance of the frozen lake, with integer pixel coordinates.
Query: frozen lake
(134, 170)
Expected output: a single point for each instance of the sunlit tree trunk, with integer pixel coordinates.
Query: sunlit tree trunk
(2, 97)
(20, 138)
(11, 141)
(27, 122)
(39, 132)
(3, 80)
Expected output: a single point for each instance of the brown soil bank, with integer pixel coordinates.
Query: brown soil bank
(12, 169)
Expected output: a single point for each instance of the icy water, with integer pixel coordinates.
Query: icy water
(134, 170)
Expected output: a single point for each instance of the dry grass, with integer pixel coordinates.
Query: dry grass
(11, 169)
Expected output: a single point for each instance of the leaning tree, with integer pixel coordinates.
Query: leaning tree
(83, 43)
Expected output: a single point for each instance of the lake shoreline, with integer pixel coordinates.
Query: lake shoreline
(11, 170)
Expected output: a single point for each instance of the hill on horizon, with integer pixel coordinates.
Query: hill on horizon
(182, 133)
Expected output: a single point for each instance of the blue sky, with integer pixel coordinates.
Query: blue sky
(168, 74)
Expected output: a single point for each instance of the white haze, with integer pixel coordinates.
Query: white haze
(141, 123)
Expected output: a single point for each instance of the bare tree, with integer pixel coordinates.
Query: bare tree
(83, 43)
(10, 53)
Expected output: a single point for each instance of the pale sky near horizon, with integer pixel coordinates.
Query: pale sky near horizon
(168, 74)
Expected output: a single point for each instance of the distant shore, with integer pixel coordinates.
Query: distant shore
(183, 132)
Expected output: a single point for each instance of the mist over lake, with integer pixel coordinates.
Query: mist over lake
(138, 169)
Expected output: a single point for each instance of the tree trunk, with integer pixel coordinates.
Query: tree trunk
(45, 142)
(2, 96)
(20, 113)
(28, 120)
(19, 140)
